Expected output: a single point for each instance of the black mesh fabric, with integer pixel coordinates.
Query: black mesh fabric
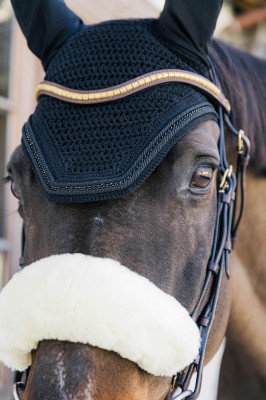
(94, 152)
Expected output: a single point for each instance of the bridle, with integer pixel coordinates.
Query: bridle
(226, 226)
(227, 222)
(225, 234)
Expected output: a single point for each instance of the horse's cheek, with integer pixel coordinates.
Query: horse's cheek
(220, 323)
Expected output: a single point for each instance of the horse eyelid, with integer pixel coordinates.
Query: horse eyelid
(8, 179)
(205, 162)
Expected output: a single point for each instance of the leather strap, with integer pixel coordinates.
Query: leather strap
(133, 86)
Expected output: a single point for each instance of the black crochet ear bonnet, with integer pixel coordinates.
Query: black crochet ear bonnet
(85, 152)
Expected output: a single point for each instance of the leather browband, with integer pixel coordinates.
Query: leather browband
(134, 85)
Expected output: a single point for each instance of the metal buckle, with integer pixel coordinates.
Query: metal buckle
(16, 387)
(19, 383)
(183, 395)
(240, 144)
(227, 174)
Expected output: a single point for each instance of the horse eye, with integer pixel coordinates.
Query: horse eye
(202, 177)
(15, 189)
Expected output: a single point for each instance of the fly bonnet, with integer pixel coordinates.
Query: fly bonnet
(85, 152)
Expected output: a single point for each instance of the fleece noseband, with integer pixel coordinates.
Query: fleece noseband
(96, 301)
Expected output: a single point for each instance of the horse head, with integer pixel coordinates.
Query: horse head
(118, 192)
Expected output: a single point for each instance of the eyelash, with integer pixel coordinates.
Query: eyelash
(7, 179)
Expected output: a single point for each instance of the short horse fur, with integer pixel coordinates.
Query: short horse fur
(163, 231)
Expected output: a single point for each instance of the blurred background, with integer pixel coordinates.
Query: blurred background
(242, 23)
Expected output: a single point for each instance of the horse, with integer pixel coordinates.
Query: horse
(162, 229)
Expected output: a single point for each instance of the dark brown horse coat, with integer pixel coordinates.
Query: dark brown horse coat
(162, 231)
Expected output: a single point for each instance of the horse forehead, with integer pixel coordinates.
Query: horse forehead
(16, 157)
(19, 166)
(201, 141)
(206, 133)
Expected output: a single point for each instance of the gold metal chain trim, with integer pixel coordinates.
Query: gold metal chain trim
(130, 87)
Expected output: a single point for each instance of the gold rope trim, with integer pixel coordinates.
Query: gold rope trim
(132, 86)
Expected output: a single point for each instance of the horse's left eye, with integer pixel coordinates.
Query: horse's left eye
(15, 189)
(202, 177)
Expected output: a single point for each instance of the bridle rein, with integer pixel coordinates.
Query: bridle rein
(231, 187)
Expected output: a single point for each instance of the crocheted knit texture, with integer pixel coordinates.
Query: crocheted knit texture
(88, 144)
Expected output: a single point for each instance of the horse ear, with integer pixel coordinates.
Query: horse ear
(46, 24)
(190, 23)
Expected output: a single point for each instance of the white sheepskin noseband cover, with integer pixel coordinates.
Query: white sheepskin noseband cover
(97, 301)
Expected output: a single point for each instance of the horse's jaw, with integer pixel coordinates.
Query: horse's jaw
(96, 301)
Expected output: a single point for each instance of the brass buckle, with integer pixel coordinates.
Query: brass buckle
(227, 174)
(240, 143)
